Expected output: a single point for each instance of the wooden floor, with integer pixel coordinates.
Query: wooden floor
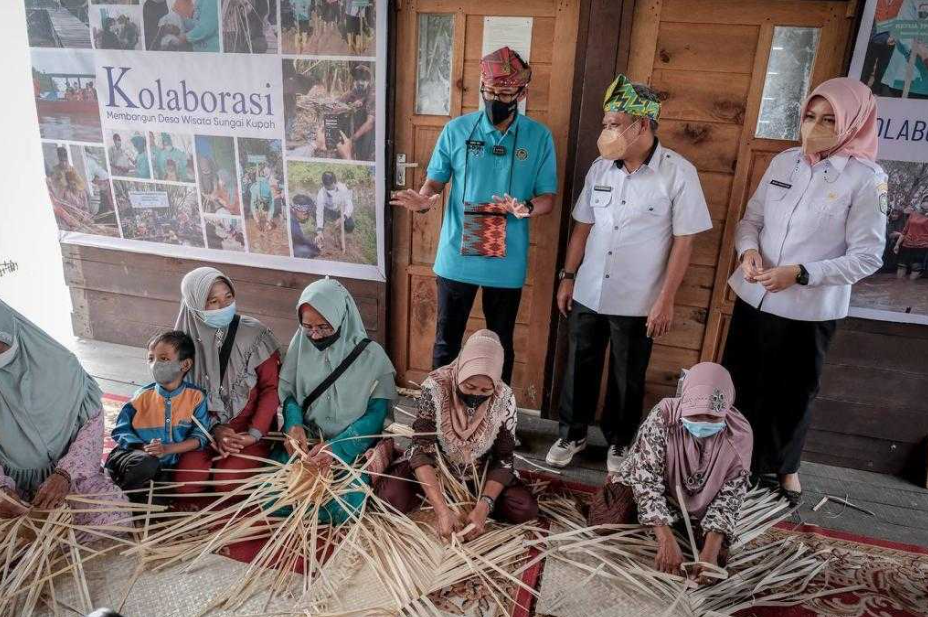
(900, 508)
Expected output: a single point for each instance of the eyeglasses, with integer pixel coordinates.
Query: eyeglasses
(322, 330)
(505, 97)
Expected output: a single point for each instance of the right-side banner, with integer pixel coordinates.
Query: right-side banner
(891, 56)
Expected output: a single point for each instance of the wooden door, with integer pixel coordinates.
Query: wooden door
(415, 236)
(709, 61)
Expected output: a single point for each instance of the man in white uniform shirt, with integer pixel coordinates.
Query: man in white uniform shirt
(634, 225)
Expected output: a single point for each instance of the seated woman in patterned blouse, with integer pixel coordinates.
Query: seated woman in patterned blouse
(474, 415)
(699, 442)
(51, 429)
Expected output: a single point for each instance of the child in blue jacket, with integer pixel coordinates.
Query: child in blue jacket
(157, 425)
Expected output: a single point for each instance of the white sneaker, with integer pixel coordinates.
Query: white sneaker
(614, 459)
(562, 452)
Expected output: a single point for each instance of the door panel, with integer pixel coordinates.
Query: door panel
(708, 61)
(415, 241)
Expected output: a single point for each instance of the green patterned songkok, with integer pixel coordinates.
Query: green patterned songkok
(621, 97)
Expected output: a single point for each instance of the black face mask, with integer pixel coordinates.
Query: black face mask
(498, 111)
(325, 342)
(472, 401)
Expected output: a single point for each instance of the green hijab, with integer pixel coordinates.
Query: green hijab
(45, 398)
(370, 376)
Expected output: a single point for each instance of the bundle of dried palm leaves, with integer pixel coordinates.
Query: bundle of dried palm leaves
(41, 547)
(383, 562)
(306, 562)
(757, 574)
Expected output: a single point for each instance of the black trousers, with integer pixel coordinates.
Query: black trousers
(133, 469)
(590, 332)
(776, 365)
(455, 300)
(875, 62)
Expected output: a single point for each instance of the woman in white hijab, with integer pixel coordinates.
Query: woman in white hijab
(238, 364)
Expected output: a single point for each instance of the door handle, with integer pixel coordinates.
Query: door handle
(401, 167)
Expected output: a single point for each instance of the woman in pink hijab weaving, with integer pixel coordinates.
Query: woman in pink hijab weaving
(467, 415)
(815, 226)
(698, 442)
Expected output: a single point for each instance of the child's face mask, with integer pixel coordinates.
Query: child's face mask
(166, 371)
(701, 430)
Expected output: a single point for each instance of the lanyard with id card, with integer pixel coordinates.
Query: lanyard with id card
(484, 224)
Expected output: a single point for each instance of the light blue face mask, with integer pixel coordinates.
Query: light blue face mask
(701, 430)
(219, 318)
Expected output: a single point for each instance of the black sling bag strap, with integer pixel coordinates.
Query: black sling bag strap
(334, 375)
(226, 350)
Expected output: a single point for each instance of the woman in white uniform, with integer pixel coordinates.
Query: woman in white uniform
(814, 227)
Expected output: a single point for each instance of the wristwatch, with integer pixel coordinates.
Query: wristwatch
(529, 206)
(564, 274)
(489, 501)
(803, 277)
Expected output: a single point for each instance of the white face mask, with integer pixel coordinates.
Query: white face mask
(7, 356)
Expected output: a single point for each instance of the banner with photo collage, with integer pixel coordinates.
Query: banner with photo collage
(891, 57)
(240, 131)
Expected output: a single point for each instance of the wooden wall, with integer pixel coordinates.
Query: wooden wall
(126, 298)
(708, 62)
(872, 410)
(413, 309)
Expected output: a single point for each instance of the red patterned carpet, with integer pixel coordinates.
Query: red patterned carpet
(894, 576)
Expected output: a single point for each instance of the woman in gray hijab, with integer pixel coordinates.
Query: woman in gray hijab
(51, 426)
(238, 364)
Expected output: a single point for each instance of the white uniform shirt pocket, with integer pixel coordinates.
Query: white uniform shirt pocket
(600, 202)
(777, 193)
(653, 209)
(832, 205)
(830, 209)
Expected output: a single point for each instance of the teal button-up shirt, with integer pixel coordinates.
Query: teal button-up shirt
(464, 156)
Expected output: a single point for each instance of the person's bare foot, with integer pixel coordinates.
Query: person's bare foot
(790, 482)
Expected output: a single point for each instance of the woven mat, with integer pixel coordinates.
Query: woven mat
(168, 593)
(568, 591)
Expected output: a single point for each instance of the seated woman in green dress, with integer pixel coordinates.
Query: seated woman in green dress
(353, 405)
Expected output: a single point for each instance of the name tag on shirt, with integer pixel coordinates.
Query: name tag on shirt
(600, 187)
(782, 185)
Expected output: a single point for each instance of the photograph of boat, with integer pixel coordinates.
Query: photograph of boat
(65, 97)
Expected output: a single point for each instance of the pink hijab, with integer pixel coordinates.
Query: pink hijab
(482, 354)
(855, 118)
(702, 466)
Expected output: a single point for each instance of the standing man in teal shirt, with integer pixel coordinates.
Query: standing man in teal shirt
(502, 170)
